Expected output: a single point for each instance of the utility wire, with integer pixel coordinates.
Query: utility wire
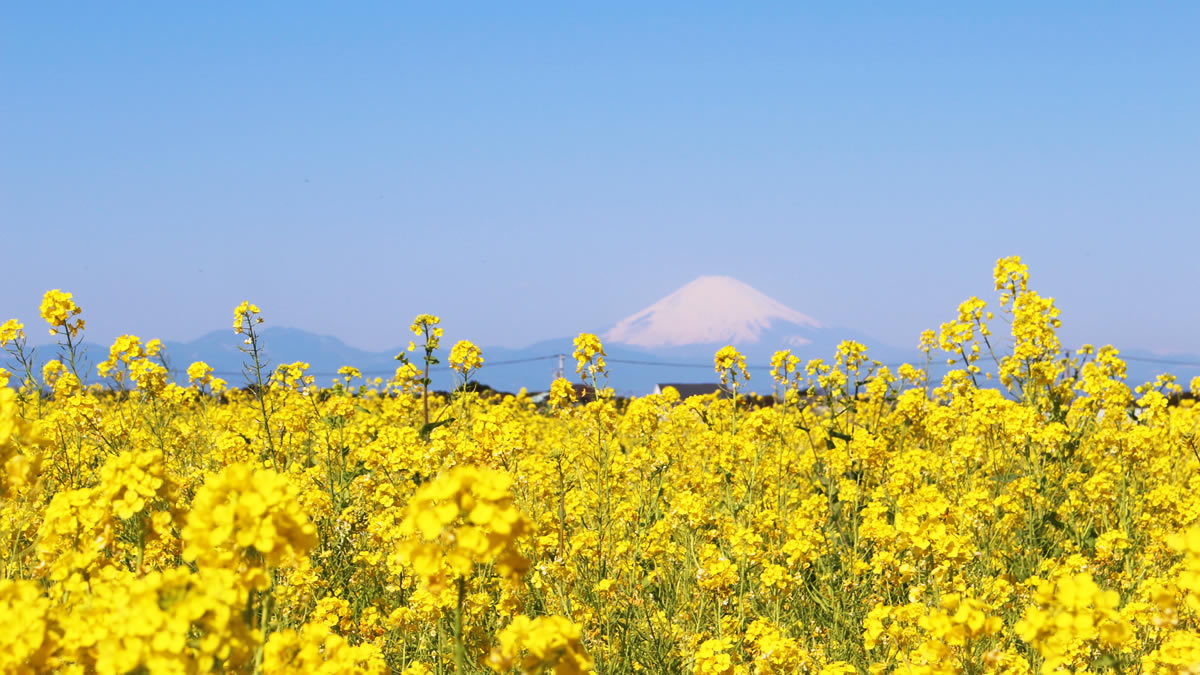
(641, 362)
(1168, 362)
(509, 362)
(705, 365)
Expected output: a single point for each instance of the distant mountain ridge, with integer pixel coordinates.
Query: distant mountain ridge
(323, 353)
(671, 340)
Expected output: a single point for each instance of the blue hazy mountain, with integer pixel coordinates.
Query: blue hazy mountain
(672, 340)
(324, 353)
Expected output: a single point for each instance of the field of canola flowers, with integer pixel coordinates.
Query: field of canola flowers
(1029, 512)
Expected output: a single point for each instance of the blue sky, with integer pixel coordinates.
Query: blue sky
(537, 170)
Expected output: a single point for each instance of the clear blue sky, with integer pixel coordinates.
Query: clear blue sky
(534, 170)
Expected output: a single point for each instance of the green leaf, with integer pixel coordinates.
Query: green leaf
(428, 428)
(1053, 520)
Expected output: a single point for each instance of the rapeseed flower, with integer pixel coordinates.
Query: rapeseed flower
(245, 315)
(589, 356)
(547, 644)
(465, 357)
(466, 517)
(11, 331)
(57, 309)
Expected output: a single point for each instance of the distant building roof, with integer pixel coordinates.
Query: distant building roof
(692, 389)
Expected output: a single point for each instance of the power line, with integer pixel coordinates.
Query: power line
(1167, 362)
(705, 365)
(432, 369)
(530, 359)
(510, 362)
(631, 362)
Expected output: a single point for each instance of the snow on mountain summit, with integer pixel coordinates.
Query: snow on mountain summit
(708, 310)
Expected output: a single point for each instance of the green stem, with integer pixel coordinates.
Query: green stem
(263, 617)
(71, 349)
(460, 649)
(259, 391)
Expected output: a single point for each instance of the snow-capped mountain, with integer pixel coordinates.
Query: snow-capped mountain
(710, 310)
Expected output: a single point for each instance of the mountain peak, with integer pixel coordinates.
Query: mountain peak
(707, 310)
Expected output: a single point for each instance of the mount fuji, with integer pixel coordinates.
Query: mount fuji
(713, 311)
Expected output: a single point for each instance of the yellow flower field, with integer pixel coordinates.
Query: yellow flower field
(1031, 511)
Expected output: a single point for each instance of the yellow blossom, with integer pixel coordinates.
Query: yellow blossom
(465, 357)
(57, 309)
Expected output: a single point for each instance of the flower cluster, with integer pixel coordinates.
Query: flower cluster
(245, 316)
(315, 649)
(11, 331)
(545, 644)
(1069, 614)
(20, 445)
(57, 309)
(426, 326)
(784, 366)
(246, 516)
(465, 357)
(731, 366)
(200, 374)
(464, 518)
(589, 356)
